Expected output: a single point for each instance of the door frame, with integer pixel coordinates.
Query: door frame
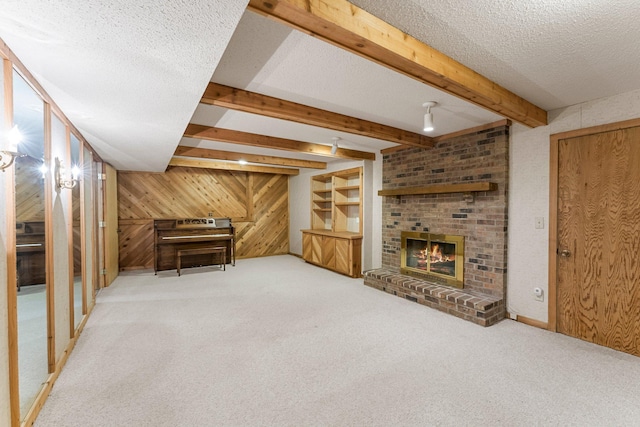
(553, 205)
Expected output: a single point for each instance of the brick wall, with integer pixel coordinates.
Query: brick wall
(481, 156)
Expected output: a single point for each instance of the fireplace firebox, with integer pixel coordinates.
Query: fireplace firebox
(434, 257)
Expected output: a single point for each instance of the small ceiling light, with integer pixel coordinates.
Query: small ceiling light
(242, 162)
(428, 117)
(334, 147)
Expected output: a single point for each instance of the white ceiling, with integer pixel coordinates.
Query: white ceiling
(130, 75)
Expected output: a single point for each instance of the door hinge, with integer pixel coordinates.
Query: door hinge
(104, 271)
(102, 176)
(102, 224)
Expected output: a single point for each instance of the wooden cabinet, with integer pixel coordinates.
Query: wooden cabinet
(337, 251)
(335, 238)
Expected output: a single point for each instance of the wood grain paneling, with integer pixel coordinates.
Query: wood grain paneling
(257, 203)
(329, 252)
(29, 190)
(111, 228)
(343, 256)
(268, 234)
(598, 282)
(135, 240)
(182, 192)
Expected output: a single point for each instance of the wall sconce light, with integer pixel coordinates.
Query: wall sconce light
(43, 170)
(7, 157)
(62, 181)
(428, 117)
(334, 147)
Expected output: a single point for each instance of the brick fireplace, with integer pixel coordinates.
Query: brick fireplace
(480, 217)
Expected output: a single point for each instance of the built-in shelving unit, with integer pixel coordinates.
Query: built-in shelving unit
(335, 238)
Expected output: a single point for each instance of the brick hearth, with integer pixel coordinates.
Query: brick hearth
(475, 157)
(483, 310)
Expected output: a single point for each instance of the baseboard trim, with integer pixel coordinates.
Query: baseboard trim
(529, 321)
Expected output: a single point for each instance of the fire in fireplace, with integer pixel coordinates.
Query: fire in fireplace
(435, 257)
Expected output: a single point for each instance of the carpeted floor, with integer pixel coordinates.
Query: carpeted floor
(277, 342)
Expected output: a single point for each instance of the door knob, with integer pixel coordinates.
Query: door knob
(565, 253)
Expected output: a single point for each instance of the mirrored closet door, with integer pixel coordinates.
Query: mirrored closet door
(28, 131)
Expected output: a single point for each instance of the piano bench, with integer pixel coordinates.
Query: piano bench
(220, 250)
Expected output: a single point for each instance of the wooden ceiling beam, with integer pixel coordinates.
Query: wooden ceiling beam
(349, 27)
(205, 153)
(255, 140)
(213, 164)
(255, 103)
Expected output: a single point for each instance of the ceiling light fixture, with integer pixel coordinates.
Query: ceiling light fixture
(242, 162)
(428, 117)
(334, 147)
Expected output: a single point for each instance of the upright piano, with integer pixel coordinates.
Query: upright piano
(172, 235)
(30, 253)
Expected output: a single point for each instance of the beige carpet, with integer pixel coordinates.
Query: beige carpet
(277, 342)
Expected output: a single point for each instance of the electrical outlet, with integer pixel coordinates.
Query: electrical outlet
(210, 214)
(539, 222)
(538, 294)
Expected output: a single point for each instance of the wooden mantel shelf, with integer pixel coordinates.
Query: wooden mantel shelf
(467, 187)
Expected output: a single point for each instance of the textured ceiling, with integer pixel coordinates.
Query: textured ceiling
(130, 74)
(552, 53)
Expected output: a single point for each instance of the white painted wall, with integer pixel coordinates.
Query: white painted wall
(372, 242)
(529, 195)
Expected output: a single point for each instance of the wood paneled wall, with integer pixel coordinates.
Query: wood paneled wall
(257, 203)
(29, 190)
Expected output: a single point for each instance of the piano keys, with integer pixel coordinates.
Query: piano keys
(172, 235)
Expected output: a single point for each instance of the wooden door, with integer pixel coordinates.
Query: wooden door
(111, 224)
(598, 238)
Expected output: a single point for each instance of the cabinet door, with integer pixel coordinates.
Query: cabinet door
(343, 256)
(316, 249)
(329, 252)
(306, 247)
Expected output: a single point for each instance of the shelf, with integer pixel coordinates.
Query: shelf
(336, 201)
(341, 234)
(470, 187)
(347, 188)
